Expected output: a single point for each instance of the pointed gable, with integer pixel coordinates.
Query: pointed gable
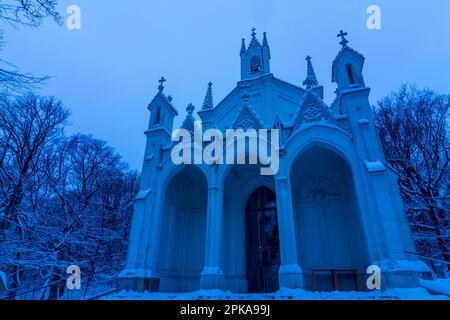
(311, 109)
(248, 119)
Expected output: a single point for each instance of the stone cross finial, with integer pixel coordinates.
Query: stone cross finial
(190, 108)
(344, 41)
(253, 32)
(308, 58)
(161, 84)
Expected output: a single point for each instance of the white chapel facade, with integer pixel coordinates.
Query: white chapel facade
(332, 209)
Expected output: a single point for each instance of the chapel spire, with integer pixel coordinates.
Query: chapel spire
(255, 60)
(311, 79)
(348, 66)
(243, 48)
(208, 103)
(265, 45)
(162, 111)
(265, 42)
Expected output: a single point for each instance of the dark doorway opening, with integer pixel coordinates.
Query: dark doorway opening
(263, 244)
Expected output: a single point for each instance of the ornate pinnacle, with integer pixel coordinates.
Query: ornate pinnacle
(311, 79)
(208, 103)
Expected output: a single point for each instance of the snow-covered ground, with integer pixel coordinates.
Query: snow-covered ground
(284, 294)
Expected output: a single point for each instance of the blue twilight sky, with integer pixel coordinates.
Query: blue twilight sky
(107, 72)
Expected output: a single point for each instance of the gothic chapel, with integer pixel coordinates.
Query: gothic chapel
(332, 210)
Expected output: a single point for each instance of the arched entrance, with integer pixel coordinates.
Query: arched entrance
(262, 239)
(330, 237)
(183, 231)
(240, 184)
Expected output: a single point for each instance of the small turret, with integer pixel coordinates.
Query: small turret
(162, 110)
(255, 60)
(348, 66)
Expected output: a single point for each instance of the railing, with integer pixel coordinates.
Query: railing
(335, 275)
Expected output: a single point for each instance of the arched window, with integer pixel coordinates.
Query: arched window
(255, 64)
(351, 77)
(157, 119)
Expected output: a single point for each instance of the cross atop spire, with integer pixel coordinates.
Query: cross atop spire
(208, 103)
(342, 35)
(161, 84)
(253, 32)
(311, 79)
(190, 109)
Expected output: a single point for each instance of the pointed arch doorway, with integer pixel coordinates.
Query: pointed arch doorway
(263, 244)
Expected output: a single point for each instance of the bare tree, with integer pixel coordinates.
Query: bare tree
(90, 212)
(92, 161)
(413, 126)
(18, 13)
(14, 81)
(28, 12)
(27, 125)
(76, 209)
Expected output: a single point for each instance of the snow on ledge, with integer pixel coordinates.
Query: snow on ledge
(403, 266)
(212, 271)
(136, 273)
(290, 269)
(374, 167)
(282, 294)
(142, 195)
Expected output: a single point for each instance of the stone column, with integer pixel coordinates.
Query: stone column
(291, 275)
(135, 239)
(137, 276)
(212, 275)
